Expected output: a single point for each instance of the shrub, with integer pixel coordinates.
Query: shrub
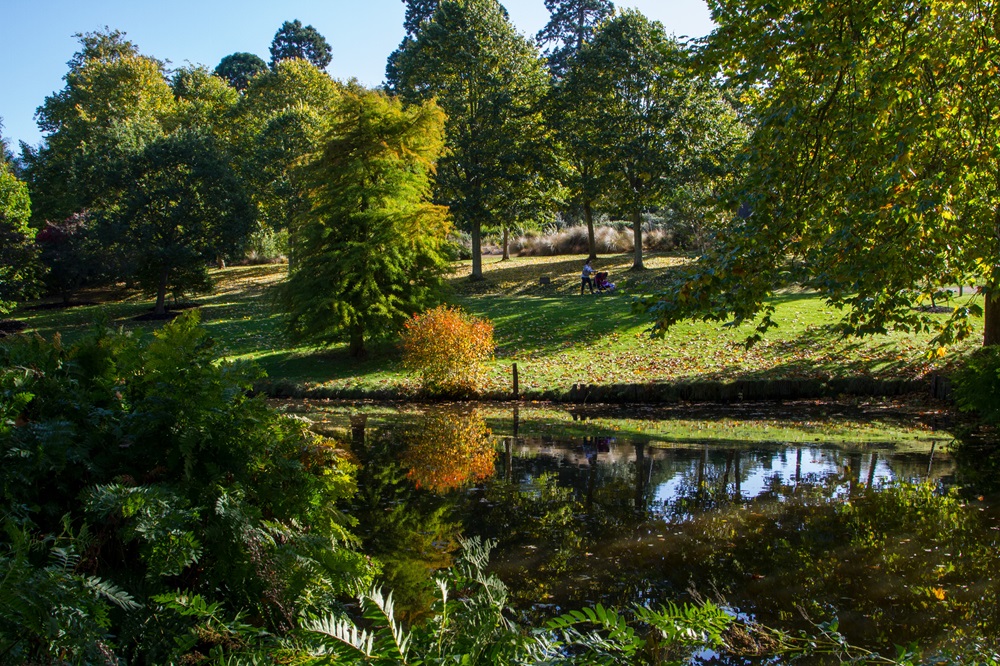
(977, 384)
(449, 348)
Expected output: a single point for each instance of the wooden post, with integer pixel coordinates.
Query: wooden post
(514, 373)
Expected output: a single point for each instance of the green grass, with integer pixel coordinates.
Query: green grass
(557, 337)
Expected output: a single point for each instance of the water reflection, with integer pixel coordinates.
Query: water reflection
(789, 534)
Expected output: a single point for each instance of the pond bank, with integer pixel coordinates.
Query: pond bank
(741, 390)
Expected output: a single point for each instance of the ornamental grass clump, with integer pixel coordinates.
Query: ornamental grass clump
(449, 348)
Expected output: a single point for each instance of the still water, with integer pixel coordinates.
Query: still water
(893, 536)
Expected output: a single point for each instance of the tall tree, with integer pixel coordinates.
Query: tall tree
(239, 68)
(293, 40)
(282, 118)
(571, 25)
(634, 76)
(182, 206)
(115, 100)
(370, 249)
(490, 81)
(418, 12)
(202, 100)
(873, 164)
(19, 268)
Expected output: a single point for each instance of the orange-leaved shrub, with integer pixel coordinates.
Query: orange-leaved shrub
(449, 348)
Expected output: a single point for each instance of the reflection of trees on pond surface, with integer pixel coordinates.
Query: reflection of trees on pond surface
(769, 528)
(449, 449)
(411, 532)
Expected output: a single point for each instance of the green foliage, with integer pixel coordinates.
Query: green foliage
(237, 69)
(370, 249)
(571, 25)
(976, 384)
(490, 81)
(182, 207)
(449, 348)
(293, 40)
(470, 626)
(878, 205)
(114, 102)
(19, 267)
(182, 484)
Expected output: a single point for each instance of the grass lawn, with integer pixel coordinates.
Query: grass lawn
(556, 337)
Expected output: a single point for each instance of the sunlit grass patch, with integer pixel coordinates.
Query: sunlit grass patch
(557, 337)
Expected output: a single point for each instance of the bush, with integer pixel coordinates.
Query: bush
(977, 384)
(449, 348)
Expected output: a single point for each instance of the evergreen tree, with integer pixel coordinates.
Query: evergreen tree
(571, 25)
(293, 40)
(369, 251)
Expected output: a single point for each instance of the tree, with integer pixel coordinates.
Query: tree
(115, 101)
(571, 25)
(239, 68)
(871, 170)
(369, 250)
(282, 118)
(295, 41)
(182, 206)
(490, 81)
(418, 12)
(202, 101)
(634, 77)
(19, 268)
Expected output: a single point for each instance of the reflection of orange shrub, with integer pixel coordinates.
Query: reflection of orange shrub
(451, 450)
(449, 348)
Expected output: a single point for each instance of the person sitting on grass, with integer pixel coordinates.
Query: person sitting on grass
(585, 280)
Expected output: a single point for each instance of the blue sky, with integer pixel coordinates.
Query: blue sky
(36, 37)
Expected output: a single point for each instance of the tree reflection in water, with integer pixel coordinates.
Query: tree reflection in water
(779, 532)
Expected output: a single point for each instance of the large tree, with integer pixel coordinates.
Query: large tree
(115, 100)
(293, 40)
(182, 206)
(370, 249)
(571, 25)
(634, 83)
(282, 118)
(239, 68)
(872, 168)
(490, 81)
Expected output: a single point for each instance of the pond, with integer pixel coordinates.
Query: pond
(795, 520)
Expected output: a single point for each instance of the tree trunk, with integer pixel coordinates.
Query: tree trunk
(991, 316)
(161, 293)
(588, 215)
(637, 239)
(506, 245)
(357, 345)
(477, 252)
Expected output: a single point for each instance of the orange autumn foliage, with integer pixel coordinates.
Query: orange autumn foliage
(449, 349)
(450, 450)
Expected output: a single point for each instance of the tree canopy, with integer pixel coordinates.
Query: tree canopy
(368, 251)
(182, 206)
(490, 81)
(571, 25)
(870, 174)
(632, 84)
(293, 40)
(238, 68)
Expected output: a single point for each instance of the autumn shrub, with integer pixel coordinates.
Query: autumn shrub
(449, 349)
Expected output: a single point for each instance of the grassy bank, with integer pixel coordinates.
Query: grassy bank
(557, 337)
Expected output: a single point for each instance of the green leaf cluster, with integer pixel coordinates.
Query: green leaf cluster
(148, 470)
(369, 250)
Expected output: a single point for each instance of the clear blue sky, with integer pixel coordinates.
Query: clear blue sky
(36, 37)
